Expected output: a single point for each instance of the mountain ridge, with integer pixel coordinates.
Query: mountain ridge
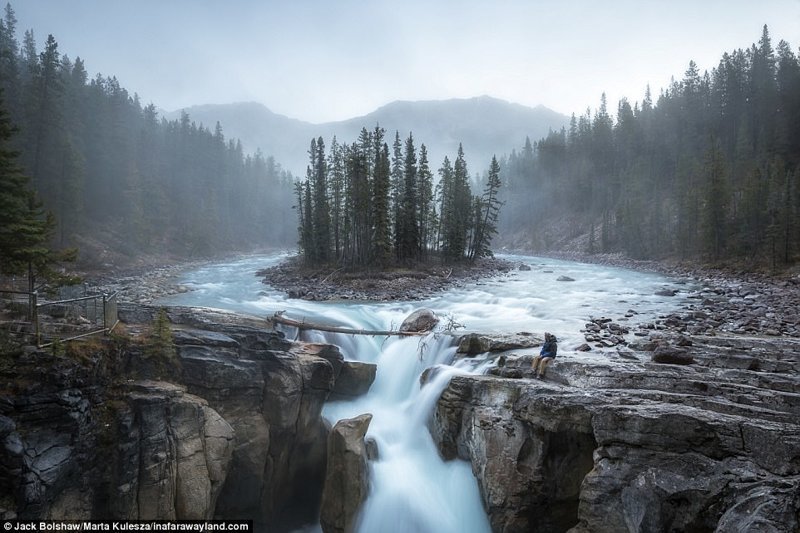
(485, 125)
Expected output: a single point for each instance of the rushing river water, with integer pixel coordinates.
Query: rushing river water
(411, 488)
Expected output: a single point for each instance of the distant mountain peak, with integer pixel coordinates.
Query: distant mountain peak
(484, 124)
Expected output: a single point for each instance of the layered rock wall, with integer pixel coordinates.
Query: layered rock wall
(231, 429)
(623, 444)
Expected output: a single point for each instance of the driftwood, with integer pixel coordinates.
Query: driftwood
(278, 318)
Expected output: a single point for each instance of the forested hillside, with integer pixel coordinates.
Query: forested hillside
(709, 170)
(117, 176)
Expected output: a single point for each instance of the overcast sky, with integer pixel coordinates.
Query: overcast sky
(331, 60)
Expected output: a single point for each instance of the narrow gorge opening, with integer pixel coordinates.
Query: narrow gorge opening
(566, 458)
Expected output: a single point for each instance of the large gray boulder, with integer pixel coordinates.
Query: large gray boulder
(420, 320)
(346, 481)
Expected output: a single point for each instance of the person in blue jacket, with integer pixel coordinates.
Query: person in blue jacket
(546, 355)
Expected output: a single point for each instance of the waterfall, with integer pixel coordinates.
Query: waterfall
(411, 487)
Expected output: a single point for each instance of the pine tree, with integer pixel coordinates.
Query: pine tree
(426, 213)
(396, 184)
(381, 223)
(408, 237)
(444, 198)
(337, 185)
(321, 211)
(9, 66)
(308, 225)
(715, 213)
(25, 228)
(489, 211)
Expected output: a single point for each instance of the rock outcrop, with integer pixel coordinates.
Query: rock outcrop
(477, 343)
(420, 320)
(615, 443)
(271, 392)
(354, 379)
(232, 428)
(173, 455)
(72, 450)
(346, 482)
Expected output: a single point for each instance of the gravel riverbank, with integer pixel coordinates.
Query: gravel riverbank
(299, 281)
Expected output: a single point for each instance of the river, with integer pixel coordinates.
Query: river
(411, 488)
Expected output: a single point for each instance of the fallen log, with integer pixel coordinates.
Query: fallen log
(278, 318)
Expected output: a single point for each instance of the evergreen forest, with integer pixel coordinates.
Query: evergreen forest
(114, 175)
(707, 171)
(363, 205)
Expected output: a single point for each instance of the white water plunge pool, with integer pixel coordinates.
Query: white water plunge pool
(411, 488)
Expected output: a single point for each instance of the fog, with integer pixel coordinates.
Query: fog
(323, 61)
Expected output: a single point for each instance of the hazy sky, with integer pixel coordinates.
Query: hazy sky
(336, 59)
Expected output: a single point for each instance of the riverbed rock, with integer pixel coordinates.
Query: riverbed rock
(420, 320)
(671, 355)
(620, 445)
(346, 481)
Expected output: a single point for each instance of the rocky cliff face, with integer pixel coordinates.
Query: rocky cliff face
(612, 443)
(235, 432)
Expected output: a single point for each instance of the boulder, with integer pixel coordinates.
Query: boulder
(420, 320)
(564, 278)
(354, 379)
(346, 481)
(672, 356)
(524, 268)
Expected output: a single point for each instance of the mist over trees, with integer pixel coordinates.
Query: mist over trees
(115, 175)
(709, 170)
(25, 228)
(364, 206)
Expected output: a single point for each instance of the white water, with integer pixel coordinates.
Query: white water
(411, 488)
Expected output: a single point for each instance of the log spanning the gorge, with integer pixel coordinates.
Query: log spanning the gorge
(278, 318)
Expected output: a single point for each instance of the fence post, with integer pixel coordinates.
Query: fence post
(105, 314)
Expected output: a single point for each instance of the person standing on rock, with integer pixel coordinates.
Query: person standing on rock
(546, 355)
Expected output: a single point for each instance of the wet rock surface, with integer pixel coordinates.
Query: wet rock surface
(705, 439)
(346, 481)
(476, 343)
(420, 320)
